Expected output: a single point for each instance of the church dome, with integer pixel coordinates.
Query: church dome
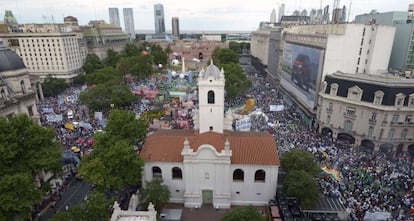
(9, 60)
(211, 70)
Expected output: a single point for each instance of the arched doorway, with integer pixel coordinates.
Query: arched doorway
(367, 145)
(399, 148)
(326, 132)
(386, 148)
(346, 138)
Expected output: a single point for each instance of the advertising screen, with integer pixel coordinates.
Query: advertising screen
(300, 68)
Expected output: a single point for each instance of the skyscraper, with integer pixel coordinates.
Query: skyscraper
(129, 22)
(175, 27)
(9, 18)
(281, 11)
(273, 16)
(114, 17)
(159, 19)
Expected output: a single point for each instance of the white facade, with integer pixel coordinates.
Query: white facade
(58, 54)
(213, 165)
(259, 45)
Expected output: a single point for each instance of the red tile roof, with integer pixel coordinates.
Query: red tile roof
(256, 148)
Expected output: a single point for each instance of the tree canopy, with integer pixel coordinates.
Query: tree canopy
(104, 75)
(102, 96)
(156, 193)
(96, 207)
(26, 150)
(92, 63)
(237, 84)
(224, 56)
(112, 59)
(303, 187)
(299, 160)
(239, 47)
(53, 86)
(114, 152)
(242, 214)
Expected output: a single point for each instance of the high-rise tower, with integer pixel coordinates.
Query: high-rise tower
(129, 22)
(114, 17)
(175, 22)
(281, 11)
(273, 16)
(159, 19)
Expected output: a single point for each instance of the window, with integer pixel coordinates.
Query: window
(210, 97)
(404, 134)
(238, 175)
(408, 119)
(395, 119)
(374, 116)
(330, 107)
(3, 94)
(399, 99)
(30, 110)
(381, 133)
(350, 111)
(391, 133)
(176, 173)
(355, 93)
(378, 97)
(328, 119)
(260, 176)
(156, 173)
(334, 89)
(411, 102)
(348, 125)
(370, 131)
(23, 87)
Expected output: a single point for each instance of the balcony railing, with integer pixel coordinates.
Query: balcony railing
(348, 115)
(372, 121)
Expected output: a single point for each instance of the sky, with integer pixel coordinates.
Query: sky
(199, 15)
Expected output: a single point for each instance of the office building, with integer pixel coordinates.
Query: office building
(273, 16)
(100, 37)
(46, 49)
(19, 90)
(281, 12)
(373, 112)
(159, 19)
(175, 27)
(402, 55)
(114, 17)
(213, 165)
(129, 22)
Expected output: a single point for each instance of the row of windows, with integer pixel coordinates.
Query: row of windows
(238, 174)
(355, 93)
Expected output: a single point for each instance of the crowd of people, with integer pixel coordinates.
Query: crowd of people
(370, 181)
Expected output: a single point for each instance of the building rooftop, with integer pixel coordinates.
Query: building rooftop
(254, 148)
(9, 60)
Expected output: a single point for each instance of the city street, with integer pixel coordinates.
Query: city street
(74, 195)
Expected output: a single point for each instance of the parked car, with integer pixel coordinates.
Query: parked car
(301, 71)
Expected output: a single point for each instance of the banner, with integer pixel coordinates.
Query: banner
(276, 108)
(243, 124)
(98, 115)
(54, 118)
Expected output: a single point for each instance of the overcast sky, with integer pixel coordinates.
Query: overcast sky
(208, 15)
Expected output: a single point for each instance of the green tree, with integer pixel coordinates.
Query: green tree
(237, 84)
(112, 165)
(92, 63)
(124, 126)
(224, 56)
(131, 50)
(139, 66)
(158, 55)
(102, 96)
(299, 160)
(104, 75)
(96, 207)
(80, 79)
(303, 187)
(112, 58)
(235, 46)
(156, 193)
(242, 214)
(26, 150)
(53, 86)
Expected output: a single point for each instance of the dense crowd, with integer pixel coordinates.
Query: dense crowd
(370, 181)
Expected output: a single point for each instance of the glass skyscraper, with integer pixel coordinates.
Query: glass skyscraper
(129, 23)
(159, 19)
(114, 17)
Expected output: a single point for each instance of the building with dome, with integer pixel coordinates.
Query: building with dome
(213, 165)
(18, 89)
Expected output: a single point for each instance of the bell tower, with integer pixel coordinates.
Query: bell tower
(211, 99)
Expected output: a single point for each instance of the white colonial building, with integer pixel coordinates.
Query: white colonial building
(212, 164)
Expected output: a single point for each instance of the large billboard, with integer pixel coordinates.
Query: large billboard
(300, 68)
